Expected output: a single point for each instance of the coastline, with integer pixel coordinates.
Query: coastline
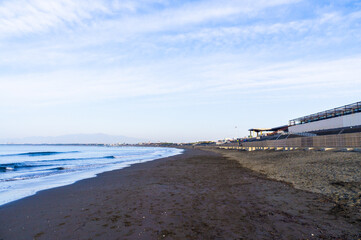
(36, 175)
(195, 195)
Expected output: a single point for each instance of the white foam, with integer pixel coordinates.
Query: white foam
(19, 187)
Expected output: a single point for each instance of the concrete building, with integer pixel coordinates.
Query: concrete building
(343, 118)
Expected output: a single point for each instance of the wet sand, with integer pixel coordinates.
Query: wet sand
(196, 195)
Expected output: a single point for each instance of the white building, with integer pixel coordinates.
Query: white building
(348, 116)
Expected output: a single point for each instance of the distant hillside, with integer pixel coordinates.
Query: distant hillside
(73, 138)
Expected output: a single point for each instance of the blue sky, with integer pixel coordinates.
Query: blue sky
(173, 70)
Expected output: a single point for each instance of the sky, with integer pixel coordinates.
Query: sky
(176, 71)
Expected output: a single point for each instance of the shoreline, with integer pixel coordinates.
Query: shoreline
(197, 194)
(58, 179)
(40, 192)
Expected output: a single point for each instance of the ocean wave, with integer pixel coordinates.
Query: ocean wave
(15, 179)
(5, 169)
(22, 174)
(76, 159)
(60, 168)
(35, 154)
(17, 166)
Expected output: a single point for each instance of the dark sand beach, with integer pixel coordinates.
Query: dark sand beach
(196, 195)
(335, 174)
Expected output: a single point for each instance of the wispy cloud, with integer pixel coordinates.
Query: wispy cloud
(22, 17)
(187, 53)
(35, 16)
(212, 79)
(326, 22)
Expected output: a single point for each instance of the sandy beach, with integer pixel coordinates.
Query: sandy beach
(197, 195)
(335, 174)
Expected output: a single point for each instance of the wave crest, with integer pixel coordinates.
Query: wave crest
(34, 154)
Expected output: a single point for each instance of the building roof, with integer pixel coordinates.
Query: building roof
(259, 129)
(268, 129)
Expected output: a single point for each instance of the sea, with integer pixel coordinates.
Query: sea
(27, 169)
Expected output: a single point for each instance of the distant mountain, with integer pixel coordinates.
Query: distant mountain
(73, 138)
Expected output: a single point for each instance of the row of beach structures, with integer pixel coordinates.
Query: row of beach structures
(337, 128)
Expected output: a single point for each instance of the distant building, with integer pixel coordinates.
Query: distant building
(335, 128)
(340, 120)
(343, 118)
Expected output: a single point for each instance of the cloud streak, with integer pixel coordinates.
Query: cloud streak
(65, 87)
(35, 16)
(175, 55)
(23, 17)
